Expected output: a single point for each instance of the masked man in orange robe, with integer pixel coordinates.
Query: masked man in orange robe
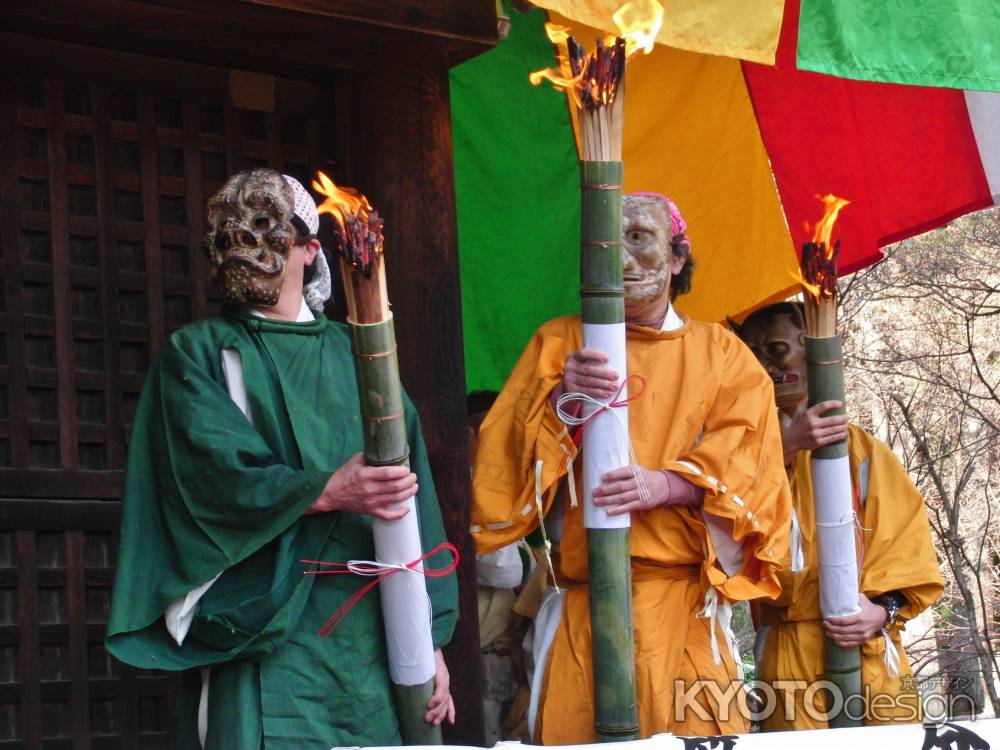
(899, 570)
(713, 528)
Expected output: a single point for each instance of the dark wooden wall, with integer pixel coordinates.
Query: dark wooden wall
(106, 159)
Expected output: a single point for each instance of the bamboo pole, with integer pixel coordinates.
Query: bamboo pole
(405, 605)
(595, 82)
(825, 373)
(602, 298)
(831, 471)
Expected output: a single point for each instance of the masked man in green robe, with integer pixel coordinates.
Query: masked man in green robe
(245, 461)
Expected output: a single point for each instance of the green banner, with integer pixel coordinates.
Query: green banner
(517, 187)
(951, 44)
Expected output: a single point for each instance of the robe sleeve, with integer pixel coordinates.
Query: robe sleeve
(898, 551)
(203, 492)
(738, 462)
(520, 430)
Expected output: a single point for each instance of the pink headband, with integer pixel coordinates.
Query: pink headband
(677, 223)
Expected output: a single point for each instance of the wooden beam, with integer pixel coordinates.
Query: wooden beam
(62, 287)
(466, 20)
(109, 278)
(27, 610)
(61, 483)
(10, 227)
(59, 515)
(293, 41)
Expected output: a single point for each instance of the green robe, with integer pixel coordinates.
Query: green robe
(207, 491)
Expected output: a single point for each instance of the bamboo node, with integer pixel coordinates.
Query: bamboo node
(599, 186)
(602, 243)
(378, 355)
(399, 461)
(586, 291)
(386, 418)
(825, 362)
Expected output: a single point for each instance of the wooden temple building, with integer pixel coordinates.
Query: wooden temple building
(118, 118)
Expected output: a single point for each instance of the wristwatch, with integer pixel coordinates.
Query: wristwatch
(891, 602)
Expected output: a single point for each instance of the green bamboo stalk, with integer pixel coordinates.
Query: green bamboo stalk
(602, 291)
(825, 373)
(843, 669)
(381, 396)
(602, 297)
(616, 715)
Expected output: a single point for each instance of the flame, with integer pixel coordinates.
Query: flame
(340, 203)
(557, 34)
(561, 78)
(600, 71)
(823, 230)
(815, 290)
(639, 21)
(357, 225)
(817, 273)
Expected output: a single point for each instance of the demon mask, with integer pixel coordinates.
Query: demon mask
(776, 336)
(250, 235)
(649, 261)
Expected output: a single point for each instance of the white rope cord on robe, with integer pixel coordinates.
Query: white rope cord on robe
(891, 655)
(569, 399)
(540, 508)
(720, 613)
(570, 476)
(798, 558)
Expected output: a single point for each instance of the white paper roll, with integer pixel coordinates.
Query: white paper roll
(837, 551)
(406, 608)
(605, 443)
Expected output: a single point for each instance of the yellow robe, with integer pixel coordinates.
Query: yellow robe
(896, 555)
(706, 412)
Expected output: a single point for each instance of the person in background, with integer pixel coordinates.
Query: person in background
(898, 567)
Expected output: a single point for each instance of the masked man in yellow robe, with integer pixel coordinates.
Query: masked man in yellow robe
(899, 570)
(713, 528)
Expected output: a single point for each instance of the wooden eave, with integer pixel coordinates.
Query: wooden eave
(305, 39)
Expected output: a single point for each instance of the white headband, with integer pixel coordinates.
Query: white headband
(305, 206)
(317, 291)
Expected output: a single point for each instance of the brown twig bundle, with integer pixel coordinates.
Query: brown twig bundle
(819, 283)
(595, 82)
(360, 244)
(601, 130)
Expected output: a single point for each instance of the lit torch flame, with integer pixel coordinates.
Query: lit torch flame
(358, 227)
(593, 78)
(821, 235)
(562, 77)
(639, 21)
(813, 289)
(818, 272)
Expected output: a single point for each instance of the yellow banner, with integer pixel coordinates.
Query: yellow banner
(745, 29)
(691, 134)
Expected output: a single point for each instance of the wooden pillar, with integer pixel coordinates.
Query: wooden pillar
(399, 131)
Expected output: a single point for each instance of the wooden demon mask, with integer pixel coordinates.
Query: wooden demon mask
(250, 235)
(776, 335)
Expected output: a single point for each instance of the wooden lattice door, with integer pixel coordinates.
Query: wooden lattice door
(105, 162)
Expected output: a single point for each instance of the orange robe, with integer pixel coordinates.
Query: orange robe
(896, 555)
(706, 412)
